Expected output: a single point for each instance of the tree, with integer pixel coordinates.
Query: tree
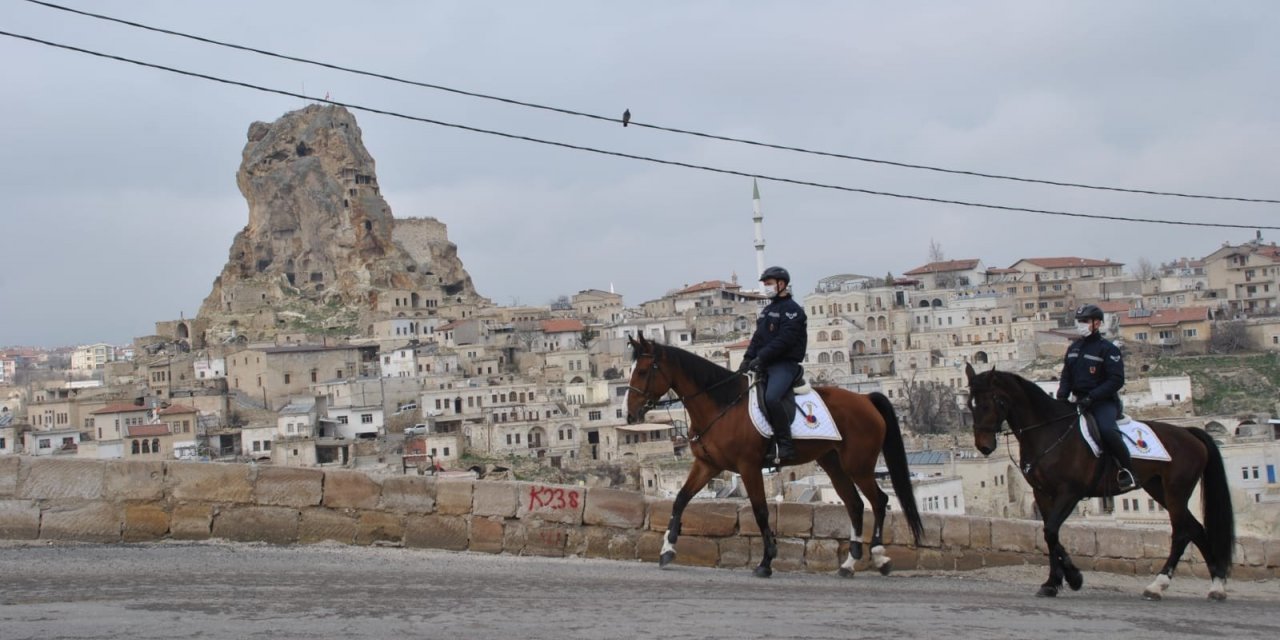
(1145, 270)
(935, 251)
(1229, 337)
(888, 279)
(931, 407)
(586, 337)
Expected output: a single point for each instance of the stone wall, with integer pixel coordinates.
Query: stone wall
(114, 501)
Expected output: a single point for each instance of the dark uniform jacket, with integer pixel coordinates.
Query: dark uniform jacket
(781, 333)
(1093, 367)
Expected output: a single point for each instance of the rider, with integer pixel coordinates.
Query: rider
(1094, 371)
(777, 349)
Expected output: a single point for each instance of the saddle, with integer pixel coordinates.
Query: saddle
(798, 386)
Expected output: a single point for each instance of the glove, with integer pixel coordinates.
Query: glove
(745, 365)
(1085, 402)
(756, 365)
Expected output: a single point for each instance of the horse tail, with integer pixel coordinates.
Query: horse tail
(895, 457)
(1215, 500)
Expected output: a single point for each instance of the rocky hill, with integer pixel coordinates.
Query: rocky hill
(322, 249)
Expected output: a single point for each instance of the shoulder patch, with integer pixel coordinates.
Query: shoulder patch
(1115, 358)
(791, 316)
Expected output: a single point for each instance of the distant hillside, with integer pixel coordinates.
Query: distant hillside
(1226, 384)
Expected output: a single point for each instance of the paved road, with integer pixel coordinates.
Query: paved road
(220, 590)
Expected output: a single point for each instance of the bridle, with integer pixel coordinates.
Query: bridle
(650, 403)
(1002, 405)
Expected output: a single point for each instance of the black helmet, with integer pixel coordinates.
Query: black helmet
(777, 273)
(1088, 312)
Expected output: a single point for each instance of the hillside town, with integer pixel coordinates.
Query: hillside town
(310, 353)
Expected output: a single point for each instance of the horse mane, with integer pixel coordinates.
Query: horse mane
(1030, 390)
(704, 373)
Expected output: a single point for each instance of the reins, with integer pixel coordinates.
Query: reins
(650, 403)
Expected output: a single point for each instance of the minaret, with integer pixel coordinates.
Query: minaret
(758, 218)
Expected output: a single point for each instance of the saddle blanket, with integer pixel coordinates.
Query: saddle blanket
(1139, 437)
(813, 420)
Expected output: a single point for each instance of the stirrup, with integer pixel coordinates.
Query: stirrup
(1125, 480)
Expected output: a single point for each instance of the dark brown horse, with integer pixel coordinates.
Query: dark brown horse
(721, 437)
(1062, 470)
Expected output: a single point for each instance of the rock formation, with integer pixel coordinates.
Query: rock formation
(322, 251)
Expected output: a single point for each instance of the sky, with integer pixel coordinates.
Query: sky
(121, 204)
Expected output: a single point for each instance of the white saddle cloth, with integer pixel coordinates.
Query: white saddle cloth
(1139, 437)
(813, 420)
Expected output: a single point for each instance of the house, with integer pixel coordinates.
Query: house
(1049, 287)
(111, 424)
(559, 334)
(1187, 328)
(949, 274)
(270, 376)
(153, 441)
(1244, 278)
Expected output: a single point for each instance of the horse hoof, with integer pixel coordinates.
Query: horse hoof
(763, 572)
(1075, 580)
(844, 573)
(1152, 594)
(1217, 596)
(1047, 592)
(665, 559)
(886, 567)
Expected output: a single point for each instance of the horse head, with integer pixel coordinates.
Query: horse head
(989, 404)
(649, 382)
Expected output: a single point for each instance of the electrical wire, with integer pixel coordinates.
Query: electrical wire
(636, 123)
(619, 154)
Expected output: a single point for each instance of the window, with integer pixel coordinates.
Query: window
(446, 452)
(44, 443)
(287, 378)
(1188, 333)
(342, 419)
(257, 445)
(366, 418)
(593, 415)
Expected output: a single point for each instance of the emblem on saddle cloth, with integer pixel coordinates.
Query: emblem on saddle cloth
(813, 420)
(1139, 437)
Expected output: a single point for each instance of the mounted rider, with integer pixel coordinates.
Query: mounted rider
(777, 348)
(1093, 371)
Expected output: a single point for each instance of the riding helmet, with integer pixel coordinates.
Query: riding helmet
(1088, 312)
(777, 273)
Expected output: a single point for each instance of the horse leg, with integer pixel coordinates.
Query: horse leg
(753, 481)
(840, 481)
(879, 507)
(1054, 513)
(1186, 529)
(699, 474)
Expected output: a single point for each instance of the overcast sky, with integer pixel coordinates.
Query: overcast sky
(120, 200)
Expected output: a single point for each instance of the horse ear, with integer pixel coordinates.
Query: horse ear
(640, 340)
(968, 371)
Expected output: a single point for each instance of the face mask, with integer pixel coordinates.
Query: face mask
(776, 289)
(1083, 329)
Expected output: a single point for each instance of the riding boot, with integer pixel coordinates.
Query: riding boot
(782, 436)
(1125, 479)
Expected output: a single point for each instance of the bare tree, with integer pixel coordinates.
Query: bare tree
(935, 251)
(586, 337)
(1145, 270)
(1229, 337)
(931, 407)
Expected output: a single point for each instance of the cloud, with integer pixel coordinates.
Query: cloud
(121, 202)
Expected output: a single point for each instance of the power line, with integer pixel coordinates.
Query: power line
(619, 154)
(711, 136)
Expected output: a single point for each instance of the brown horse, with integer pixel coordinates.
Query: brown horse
(1062, 470)
(721, 437)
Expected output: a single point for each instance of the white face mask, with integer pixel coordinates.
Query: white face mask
(777, 288)
(1083, 329)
